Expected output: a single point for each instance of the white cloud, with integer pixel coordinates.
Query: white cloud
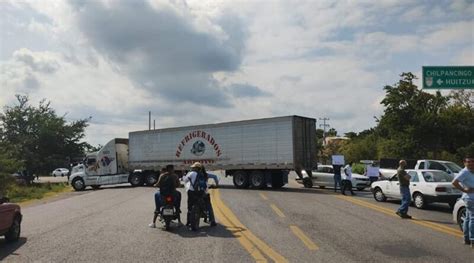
(193, 62)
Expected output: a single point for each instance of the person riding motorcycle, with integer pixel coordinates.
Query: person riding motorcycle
(191, 180)
(167, 182)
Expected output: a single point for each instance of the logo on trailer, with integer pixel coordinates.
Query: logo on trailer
(198, 148)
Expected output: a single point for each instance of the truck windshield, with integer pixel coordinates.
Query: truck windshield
(437, 176)
(453, 167)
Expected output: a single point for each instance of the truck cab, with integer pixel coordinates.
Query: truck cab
(109, 165)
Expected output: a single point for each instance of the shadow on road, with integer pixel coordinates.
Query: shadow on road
(7, 249)
(204, 231)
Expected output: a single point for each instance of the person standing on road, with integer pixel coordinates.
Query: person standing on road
(404, 180)
(464, 181)
(347, 182)
(337, 176)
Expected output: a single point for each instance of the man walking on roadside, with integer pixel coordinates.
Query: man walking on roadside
(404, 180)
(464, 181)
(337, 177)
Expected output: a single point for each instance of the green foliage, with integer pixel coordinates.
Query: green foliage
(417, 125)
(37, 138)
(35, 191)
(358, 168)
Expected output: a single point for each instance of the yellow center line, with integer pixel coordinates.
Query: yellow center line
(244, 241)
(264, 197)
(277, 210)
(305, 239)
(434, 226)
(225, 213)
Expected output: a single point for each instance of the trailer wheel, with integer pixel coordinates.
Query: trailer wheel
(136, 179)
(151, 179)
(277, 180)
(257, 179)
(240, 179)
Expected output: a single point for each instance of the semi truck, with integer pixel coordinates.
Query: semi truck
(256, 153)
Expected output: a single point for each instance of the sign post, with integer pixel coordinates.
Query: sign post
(448, 77)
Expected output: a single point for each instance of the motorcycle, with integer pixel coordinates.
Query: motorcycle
(168, 211)
(198, 211)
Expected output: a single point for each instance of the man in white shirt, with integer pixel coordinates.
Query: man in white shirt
(347, 182)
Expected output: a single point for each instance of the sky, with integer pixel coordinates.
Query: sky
(197, 62)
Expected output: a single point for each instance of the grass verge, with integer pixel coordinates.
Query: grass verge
(18, 193)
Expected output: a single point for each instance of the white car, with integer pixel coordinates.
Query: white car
(323, 177)
(60, 172)
(426, 186)
(459, 213)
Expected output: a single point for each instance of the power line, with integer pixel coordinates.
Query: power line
(324, 125)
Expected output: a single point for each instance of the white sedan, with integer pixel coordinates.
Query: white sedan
(60, 172)
(426, 186)
(323, 177)
(459, 213)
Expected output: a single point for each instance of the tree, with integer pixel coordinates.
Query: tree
(38, 138)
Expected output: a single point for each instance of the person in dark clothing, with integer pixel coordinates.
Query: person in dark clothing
(404, 179)
(167, 182)
(337, 176)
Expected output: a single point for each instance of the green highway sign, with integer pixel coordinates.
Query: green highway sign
(448, 77)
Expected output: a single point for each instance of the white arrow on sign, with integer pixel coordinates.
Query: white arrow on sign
(439, 82)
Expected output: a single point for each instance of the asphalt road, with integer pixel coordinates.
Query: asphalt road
(288, 225)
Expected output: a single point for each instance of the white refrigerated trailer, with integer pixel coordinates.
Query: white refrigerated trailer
(256, 153)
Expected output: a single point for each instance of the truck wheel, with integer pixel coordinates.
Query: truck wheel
(78, 184)
(151, 179)
(308, 183)
(257, 179)
(240, 179)
(13, 233)
(136, 180)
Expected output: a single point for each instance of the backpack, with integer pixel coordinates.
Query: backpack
(200, 183)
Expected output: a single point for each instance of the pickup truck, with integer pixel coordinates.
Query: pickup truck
(388, 167)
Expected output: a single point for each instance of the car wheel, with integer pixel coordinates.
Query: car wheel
(13, 233)
(461, 217)
(240, 179)
(419, 201)
(379, 195)
(257, 179)
(78, 184)
(95, 187)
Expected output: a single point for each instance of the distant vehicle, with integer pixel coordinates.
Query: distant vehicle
(459, 213)
(23, 177)
(426, 186)
(60, 172)
(256, 153)
(10, 220)
(389, 166)
(323, 177)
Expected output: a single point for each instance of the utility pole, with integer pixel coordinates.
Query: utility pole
(149, 120)
(324, 125)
